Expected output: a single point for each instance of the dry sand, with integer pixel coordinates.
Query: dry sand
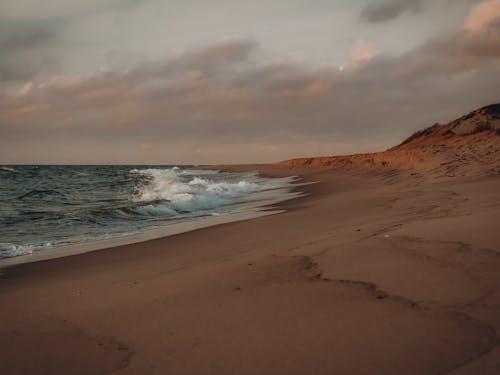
(382, 269)
(375, 272)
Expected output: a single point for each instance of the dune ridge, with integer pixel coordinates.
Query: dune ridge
(469, 145)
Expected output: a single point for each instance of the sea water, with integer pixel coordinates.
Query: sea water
(44, 207)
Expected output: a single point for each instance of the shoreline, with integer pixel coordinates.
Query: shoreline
(369, 259)
(147, 235)
(269, 205)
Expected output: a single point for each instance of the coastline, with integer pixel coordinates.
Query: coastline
(369, 259)
(267, 204)
(146, 235)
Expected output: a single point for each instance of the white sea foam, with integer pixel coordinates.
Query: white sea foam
(10, 249)
(173, 190)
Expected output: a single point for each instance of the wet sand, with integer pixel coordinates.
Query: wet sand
(376, 271)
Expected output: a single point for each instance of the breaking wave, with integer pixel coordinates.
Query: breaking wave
(173, 191)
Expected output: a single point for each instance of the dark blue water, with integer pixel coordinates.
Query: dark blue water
(42, 207)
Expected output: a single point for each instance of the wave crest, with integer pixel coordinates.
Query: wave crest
(172, 190)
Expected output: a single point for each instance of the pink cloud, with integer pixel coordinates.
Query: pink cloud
(483, 15)
(26, 88)
(362, 51)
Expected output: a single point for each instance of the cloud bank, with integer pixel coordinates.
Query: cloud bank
(229, 102)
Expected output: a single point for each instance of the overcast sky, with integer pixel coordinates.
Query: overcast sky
(226, 81)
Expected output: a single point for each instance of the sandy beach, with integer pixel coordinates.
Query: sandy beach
(388, 264)
(375, 271)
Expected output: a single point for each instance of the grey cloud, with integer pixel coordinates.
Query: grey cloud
(21, 68)
(217, 57)
(26, 38)
(386, 10)
(26, 48)
(451, 54)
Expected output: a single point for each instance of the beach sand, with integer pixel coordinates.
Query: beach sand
(389, 265)
(376, 271)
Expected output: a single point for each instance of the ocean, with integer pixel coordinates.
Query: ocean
(46, 207)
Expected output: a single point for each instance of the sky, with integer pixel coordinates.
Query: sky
(230, 81)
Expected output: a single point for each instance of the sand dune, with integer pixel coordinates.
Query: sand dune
(388, 266)
(468, 145)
